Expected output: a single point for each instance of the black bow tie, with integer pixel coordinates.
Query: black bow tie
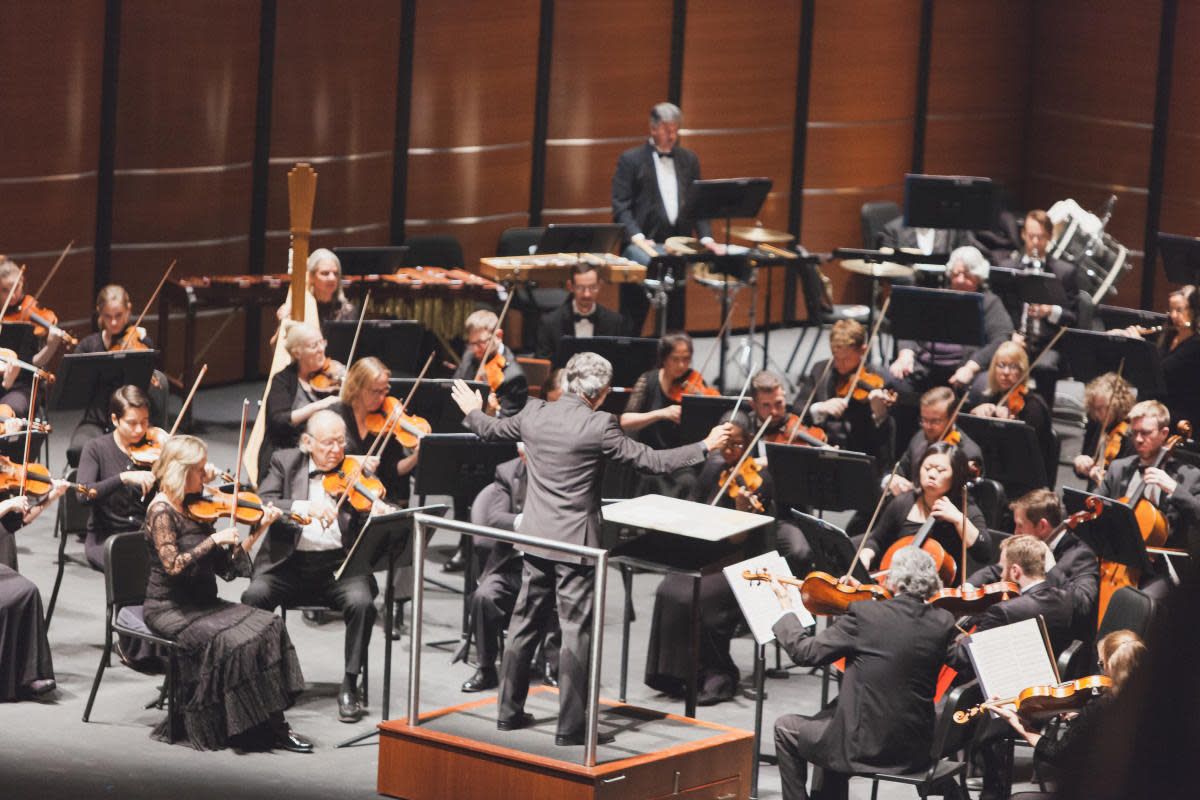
(670, 154)
(317, 473)
(583, 317)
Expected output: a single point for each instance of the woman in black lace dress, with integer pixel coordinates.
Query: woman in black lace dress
(238, 671)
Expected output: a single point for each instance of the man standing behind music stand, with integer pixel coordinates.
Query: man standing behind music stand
(648, 193)
(566, 444)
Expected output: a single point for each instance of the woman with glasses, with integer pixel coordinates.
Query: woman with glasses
(1004, 383)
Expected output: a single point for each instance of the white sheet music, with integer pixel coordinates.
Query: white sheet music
(1012, 658)
(757, 599)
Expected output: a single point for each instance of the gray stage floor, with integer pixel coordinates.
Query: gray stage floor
(47, 752)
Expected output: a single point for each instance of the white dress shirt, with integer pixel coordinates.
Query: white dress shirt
(668, 185)
(584, 327)
(314, 536)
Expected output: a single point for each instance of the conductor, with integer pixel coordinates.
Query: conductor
(566, 443)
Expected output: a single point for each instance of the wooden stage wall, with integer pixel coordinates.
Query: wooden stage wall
(148, 131)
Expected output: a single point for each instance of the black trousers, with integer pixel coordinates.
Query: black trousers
(544, 582)
(307, 578)
(796, 739)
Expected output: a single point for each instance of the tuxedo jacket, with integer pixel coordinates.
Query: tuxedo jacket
(896, 235)
(637, 203)
(286, 480)
(561, 322)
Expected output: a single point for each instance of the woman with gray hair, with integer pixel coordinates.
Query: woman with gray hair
(325, 285)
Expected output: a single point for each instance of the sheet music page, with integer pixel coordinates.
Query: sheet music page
(682, 517)
(757, 599)
(1011, 658)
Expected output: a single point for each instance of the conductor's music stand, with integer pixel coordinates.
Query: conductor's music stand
(1093, 353)
(1007, 445)
(382, 544)
(629, 356)
(395, 342)
(822, 478)
(433, 402)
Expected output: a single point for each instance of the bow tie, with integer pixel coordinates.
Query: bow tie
(317, 473)
(583, 317)
(670, 154)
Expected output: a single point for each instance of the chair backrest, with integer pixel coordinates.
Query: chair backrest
(1055, 453)
(815, 299)
(949, 736)
(1128, 609)
(874, 216)
(72, 514)
(517, 241)
(991, 498)
(1074, 662)
(126, 568)
(434, 250)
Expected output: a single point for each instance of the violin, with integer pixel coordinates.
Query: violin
(747, 481)
(861, 390)
(691, 382)
(349, 479)
(1046, 701)
(7, 413)
(43, 319)
(144, 454)
(492, 371)
(9, 357)
(409, 427)
(35, 478)
(328, 379)
(823, 594)
(964, 602)
(1016, 400)
(211, 507)
(130, 340)
(1113, 442)
(793, 429)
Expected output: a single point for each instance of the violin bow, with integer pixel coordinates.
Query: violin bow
(187, 401)
(33, 393)
(237, 473)
(1028, 370)
(811, 396)
(358, 328)
(862, 363)
(962, 534)
(150, 302)
(1100, 440)
(745, 454)
(11, 290)
(53, 269)
(491, 345)
(721, 332)
(741, 395)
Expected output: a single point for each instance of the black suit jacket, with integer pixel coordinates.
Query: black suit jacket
(1051, 602)
(884, 716)
(895, 235)
(497, 506)
(513, 392)
(637, 203)
(1065, 272)
(1182, 508)
(287, 480)
(911, 459)
(561, 322)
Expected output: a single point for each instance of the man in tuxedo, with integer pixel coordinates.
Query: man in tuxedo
(566, 445)
(296, 562)
(649, 190)
(580, 316)
(873, 727)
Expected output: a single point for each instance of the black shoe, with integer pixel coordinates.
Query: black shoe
(522, 720)
(576, 740)
(349, 708)
(456, 563)
(38, 688)
(481, 681)
(398, 629)
(549, 678)
(289, 740)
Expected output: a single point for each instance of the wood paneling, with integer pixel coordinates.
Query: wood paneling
(474, 80)
(1181, 188)
(50, 83)
(334, 102)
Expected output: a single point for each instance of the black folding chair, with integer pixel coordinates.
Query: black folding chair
(70, 521)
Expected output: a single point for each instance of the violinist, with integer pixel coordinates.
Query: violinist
(1172, 487)
(294, 397)
(17, 383)
(1107, 400)
(941, 474)
(1008, 366)
(850, 423)
(884, 716)
(579, 315)
(18, 511)
(296, 563)
(511, 391)
(325, 285)
(653, 408)
(1179, 347)
(935, 408)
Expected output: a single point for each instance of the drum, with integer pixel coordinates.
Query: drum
(1079, 239)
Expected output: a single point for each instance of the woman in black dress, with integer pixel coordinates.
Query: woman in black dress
(1179, 347)
(238, 670)
(1008, 366)
(941, 475)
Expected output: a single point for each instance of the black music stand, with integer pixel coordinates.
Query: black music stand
(700, 413)
(18, 337)
(1040, 287)
(1114, 534)
(937, 315)
(85, 378)
(1180, 257)
(433, 402)
(950, 202)
(590, 237)
(629, 356)
(822, 478)
(384, 542)
(395, 342)
(1093, 353)
(371, 260)
(832, 550)
(664, 274)
(1007, 446)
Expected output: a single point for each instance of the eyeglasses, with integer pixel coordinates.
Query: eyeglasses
(339, 442)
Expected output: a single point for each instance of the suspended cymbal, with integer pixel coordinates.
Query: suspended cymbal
(757, 233)
(871, 269)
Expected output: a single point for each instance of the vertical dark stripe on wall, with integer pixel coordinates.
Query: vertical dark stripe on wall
(808, 15)
(922, 107)
(108, 145)
(675, 75)
(404, 81)
(541, 113)
(261, 168)
(1158, 147)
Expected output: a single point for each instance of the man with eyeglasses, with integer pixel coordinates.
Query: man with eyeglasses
(580, 315)
(936, 407)
(509, 397)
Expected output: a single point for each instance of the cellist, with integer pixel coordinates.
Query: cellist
(512, 389)
(1172, 487)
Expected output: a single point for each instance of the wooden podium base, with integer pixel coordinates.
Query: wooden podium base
(457, 753)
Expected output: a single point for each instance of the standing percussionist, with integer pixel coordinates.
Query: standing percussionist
(648, 193)
(566, 444)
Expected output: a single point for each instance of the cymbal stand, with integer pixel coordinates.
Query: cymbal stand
(744, 357)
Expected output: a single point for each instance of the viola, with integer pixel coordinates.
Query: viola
(328, 378)
(1045, 701)
(1113, 442)
(43, 319)
(691, 382)
(349, 479)
(747, 482)
(964, 602)
(36, 479)
(211, 507)
(409, 428)
(823, 594)
(793, 429)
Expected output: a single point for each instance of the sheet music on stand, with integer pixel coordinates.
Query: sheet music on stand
(1011, 658)
(757, 599)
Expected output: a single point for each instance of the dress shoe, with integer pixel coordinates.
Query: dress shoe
(349, 708)
(42, 686)
(289, 740)
(456, 563)
(522, 720)
(481, 681)
(549, 675)
(576, 740)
